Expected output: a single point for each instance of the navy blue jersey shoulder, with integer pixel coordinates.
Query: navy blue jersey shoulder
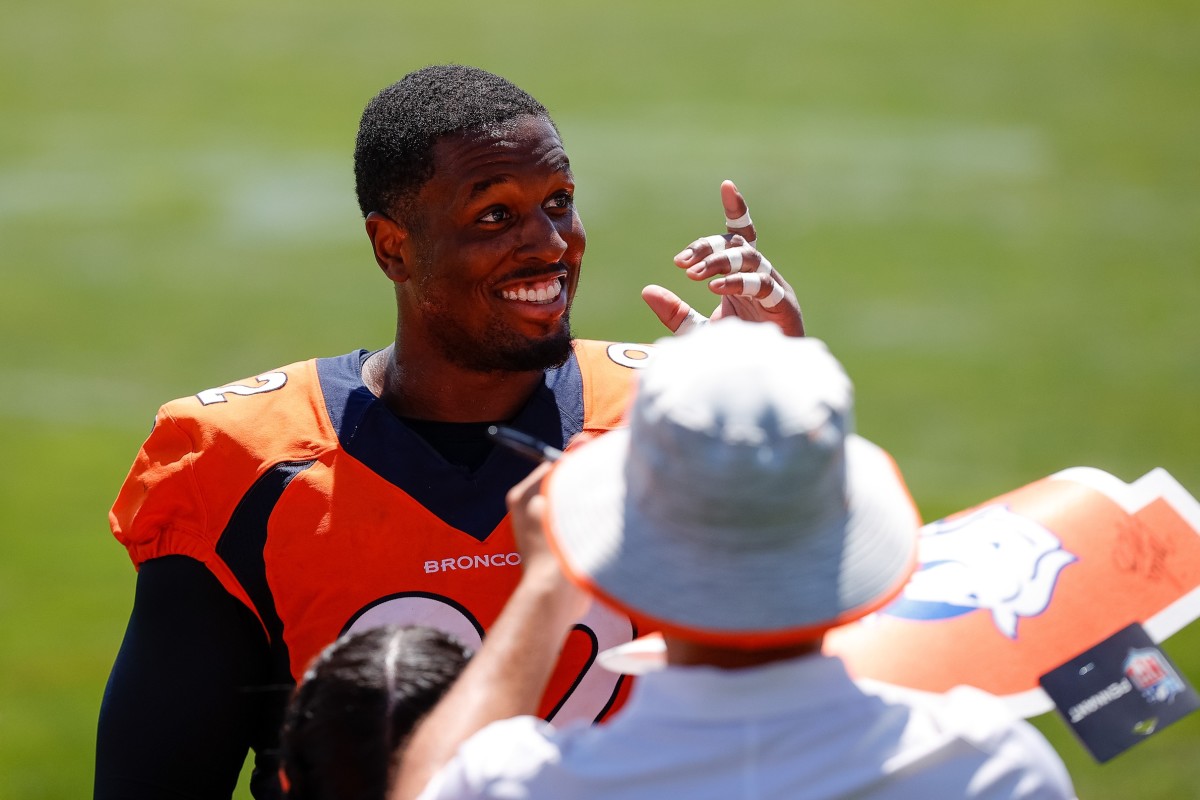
(471, 501)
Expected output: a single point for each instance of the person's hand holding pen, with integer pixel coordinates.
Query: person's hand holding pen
(541, 573)
(527, 507)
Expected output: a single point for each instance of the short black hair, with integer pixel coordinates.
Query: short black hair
(348, 720)
(393, 154)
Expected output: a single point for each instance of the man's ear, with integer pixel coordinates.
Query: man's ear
(388, 240)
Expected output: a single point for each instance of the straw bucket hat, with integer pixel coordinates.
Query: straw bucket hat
(738, 507)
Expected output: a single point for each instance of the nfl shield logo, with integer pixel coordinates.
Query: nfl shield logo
(1150, 673)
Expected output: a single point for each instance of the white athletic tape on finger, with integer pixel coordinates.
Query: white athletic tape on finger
(743, 221)
(716, 242)
(751, 284)
(735, 260)
(764, 266)
(777, 294)
(753, 244)
(691, 322)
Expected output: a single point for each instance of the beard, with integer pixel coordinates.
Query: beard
(500, 349)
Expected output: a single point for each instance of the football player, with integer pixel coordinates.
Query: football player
(268, 516)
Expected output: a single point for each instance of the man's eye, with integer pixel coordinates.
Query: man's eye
(560, 200)
(495, 215)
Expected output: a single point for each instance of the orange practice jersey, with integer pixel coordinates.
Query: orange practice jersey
(324, 513)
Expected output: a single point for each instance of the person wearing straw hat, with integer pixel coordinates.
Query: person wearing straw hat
(739, 514)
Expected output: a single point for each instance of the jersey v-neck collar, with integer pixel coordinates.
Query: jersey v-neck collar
(471, 501)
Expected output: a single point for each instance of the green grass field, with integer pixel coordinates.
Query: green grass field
(990, 212)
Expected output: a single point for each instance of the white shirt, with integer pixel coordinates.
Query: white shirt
(794, 729)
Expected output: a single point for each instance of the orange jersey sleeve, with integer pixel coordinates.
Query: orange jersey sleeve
(203, 453)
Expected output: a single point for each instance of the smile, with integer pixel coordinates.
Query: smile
(546, 291)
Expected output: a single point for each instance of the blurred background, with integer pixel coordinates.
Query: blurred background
(990, 212)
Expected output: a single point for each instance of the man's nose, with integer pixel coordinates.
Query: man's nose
(543, 237)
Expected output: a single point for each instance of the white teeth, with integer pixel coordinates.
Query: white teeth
(542, 293)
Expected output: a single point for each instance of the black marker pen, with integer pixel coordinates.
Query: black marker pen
(523, 443)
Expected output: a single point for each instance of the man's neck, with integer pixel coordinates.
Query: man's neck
(681, 652)
(446, 392)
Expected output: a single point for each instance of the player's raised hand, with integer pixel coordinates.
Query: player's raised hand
(748, 284)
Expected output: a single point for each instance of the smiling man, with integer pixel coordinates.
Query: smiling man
(485, 261)
(269, 516)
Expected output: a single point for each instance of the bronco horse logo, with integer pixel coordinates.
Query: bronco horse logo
(991, 559)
